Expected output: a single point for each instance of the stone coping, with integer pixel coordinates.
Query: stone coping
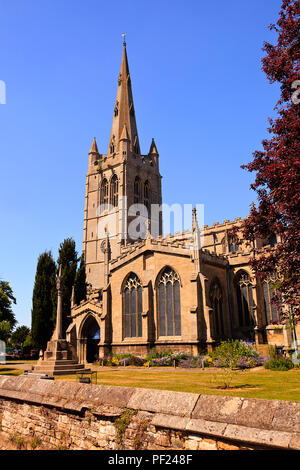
(259, 422)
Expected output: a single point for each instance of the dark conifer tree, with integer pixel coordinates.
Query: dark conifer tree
(68, 258)
(80, 282)
(43, 300)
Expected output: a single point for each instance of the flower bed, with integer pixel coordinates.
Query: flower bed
(233, 354)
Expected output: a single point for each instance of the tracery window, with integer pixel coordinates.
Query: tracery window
(168, 303)
(104, 194)
(244, 296)
(216, 300)
(272, 309)
(132, 307)
(233, 245)
(137, 191)
(114, 188)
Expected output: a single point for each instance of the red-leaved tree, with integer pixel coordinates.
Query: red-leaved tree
(277, 167)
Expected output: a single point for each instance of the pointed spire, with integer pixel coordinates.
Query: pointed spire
(153, 148)
(94, 148)
(124, 114)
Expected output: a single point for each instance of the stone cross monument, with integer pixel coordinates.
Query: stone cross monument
(60, 357)
(59, 287)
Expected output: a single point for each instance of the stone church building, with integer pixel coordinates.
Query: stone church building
(185, 291)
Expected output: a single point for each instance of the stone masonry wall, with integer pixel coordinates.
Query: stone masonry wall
(64, 415)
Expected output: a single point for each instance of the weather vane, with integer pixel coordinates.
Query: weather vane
(124, 38)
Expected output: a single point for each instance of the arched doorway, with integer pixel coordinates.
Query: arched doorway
(91, 336)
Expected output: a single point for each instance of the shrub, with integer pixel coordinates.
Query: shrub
(235, 354)
(35, 442)
(164, 358)
(279, 363)
(18, 441)
(122, 359)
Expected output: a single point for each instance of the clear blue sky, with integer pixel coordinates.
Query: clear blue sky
(198, 90)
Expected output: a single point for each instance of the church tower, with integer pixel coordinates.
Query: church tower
(121, 188)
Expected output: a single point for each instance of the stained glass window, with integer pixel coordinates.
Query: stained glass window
(169, 311)
(245, 302)
(132, 307)
(271, 307)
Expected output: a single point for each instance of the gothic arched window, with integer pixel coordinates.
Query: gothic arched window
(147, 196)
(168, 303)
(104, 194)
(114, 188)
(216, 300)
(137, 191)
(233, 245)
(244, 296)
(271, 308)
(132, 307)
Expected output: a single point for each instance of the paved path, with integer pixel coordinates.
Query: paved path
(28, 365)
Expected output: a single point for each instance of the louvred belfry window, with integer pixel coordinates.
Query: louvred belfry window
(147, 196)
(137, 191)
(132, 307)
(114, 191)
(168, 303)
(104, 194)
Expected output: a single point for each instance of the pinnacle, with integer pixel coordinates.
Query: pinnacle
(94, 148)
(153, 148)
(195, 222)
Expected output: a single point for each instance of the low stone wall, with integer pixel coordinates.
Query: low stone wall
(68, 415)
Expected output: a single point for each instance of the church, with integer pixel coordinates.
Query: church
(186, 291)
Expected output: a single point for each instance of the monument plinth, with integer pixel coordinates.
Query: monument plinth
(60, 357)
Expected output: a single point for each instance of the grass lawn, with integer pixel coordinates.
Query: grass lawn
(6, 370)
(260, 383)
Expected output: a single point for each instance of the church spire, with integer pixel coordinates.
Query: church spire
(124, 114)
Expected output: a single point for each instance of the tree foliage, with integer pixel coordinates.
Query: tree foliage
(277, 166)
(44, 304)
(68, 259)
(80, 282)
(7, 299)
(5, 330)
(43, 300)
(20, 334)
